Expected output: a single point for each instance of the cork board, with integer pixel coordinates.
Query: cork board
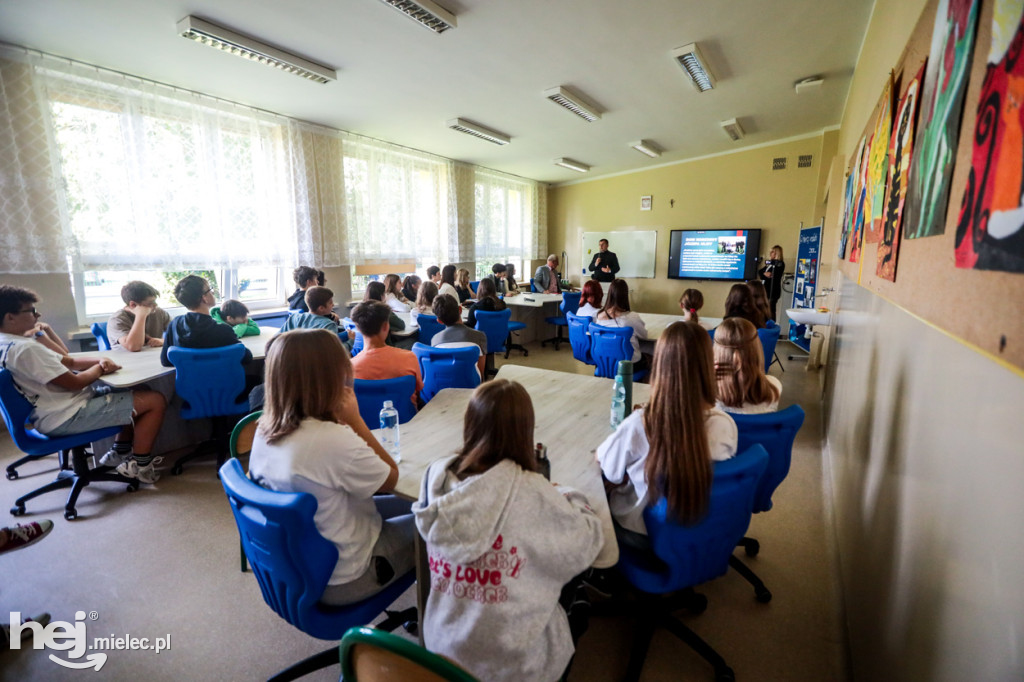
(983, 308)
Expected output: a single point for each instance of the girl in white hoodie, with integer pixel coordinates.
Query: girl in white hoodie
(501, 542)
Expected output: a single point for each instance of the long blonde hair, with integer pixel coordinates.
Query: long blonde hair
(393, 285)
(498, 425)
(462, 278)
(739, 365)
(298, 384)
(678, 464)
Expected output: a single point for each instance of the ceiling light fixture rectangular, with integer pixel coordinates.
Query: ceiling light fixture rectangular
(426, 13)
(477, 130)
(733, 129)
(572, 165)
(244, 46)
(647, 147)
(574, 102)
(695, 66)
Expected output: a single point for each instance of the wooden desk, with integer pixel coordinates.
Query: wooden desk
(656, 323)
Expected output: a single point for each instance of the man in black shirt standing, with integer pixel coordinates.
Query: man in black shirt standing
(604, 264)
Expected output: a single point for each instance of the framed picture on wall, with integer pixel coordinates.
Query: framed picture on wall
(645, 203)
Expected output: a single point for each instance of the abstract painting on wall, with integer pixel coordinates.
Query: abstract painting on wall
(990, 231)
(878, 167)
(900, 147)
(942, 97)
(861, 207)
(844, 226)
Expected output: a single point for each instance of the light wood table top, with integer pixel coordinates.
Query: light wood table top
(571, 420)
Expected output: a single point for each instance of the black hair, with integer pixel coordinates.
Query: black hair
(446, 309)
(370, 317)
(12, 298)
(233, 308)
(190, 291)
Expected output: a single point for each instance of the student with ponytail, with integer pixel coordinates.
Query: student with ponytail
(690, 302)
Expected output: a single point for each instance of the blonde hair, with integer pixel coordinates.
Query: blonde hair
(298, 387)
(462, 278)
(739, 365)
(393, 285)
(678, 463)
(498, 425)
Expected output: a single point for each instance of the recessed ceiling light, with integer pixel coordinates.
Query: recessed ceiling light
(476, 130)
(426, 13)
(240, 45)
(647, 147)
(695, 66)
(572, 165)
(574, 102)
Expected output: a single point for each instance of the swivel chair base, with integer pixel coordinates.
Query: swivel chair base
(557, 339)
(76, 478)
(12, 469)
(751, 546)
(218, 444)
(509, 347)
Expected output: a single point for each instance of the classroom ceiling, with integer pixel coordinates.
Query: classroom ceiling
(400, 82)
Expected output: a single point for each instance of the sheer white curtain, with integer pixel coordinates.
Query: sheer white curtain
(510, 216)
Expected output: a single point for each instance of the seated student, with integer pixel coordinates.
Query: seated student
(462, 285)
(311, 439)
(672, 439)
(410, 286)
(305, 277)
(590, 299)
(449, 313)
(760, 298)
(546, 279)
(616, 313)
(486, 299)
(425, 300)
(690, 302)
(320, 302)
(379, 360)
(375, 292)
(510, 279)
(196, 329)
(60, 389)
(321, 278)
(434, 275)
(743, 387)
(447, 284)
(499, 271)
(488, 509)
(393, 295)
(140, 323)
(740, 303)
(236, 315)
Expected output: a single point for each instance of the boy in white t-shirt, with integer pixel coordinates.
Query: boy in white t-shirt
(60, 389)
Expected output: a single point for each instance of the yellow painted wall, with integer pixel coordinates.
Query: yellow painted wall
(737, 190)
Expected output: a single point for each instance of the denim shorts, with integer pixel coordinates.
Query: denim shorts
(111, 409)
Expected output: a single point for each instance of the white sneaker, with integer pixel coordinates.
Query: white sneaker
(129, 469)
(148, 473)
(113, 458)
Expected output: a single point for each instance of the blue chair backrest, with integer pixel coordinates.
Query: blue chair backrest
(99, 330)
(578, 338)
(446, 368)
(353, 333)
(570, 301)
(474, 284)
(533, 286)
(695, 554)
(769, 338)
(371, 394)
(428, 327)
(209, 380)
(291, 560)
(494, 323)
(775, 431)
(609, 345)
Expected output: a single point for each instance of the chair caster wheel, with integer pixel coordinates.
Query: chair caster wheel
(526, 353)
(176, 470)
(70, 514)
(12, 475)
(763, 596)
(18, 510)
(725, 674)
(752, 547)
(412, 627)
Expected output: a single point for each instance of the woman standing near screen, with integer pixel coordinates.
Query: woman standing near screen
(771, 274)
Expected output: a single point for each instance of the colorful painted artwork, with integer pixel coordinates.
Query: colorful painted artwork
(851, 198)
(990, 231)
(862, 208)
(942, 98)
(900, 146)
(878, 168)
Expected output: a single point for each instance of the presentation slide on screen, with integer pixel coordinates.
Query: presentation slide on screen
(719, 254)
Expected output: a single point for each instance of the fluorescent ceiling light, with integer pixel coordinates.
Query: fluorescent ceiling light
(572, 165)
(732, 129)
(811, 84)
(249, 48)
(574, 102)
(477, 130)
(647, 147)
(695, 66)
(425, 12)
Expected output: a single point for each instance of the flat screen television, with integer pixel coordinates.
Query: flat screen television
(726, 255)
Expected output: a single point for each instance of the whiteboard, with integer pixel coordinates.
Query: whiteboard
(636, 250)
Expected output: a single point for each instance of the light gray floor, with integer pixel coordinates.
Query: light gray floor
(164, 561)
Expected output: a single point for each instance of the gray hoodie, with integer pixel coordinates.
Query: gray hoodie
(501, 546)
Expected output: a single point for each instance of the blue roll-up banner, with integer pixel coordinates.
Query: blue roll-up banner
(806, 281)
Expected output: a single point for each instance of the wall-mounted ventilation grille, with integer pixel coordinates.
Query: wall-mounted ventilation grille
(804, 161)
(779, 163)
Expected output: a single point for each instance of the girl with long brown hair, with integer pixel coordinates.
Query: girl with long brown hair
(616, 313)
(739, 367)
(760, 298)
(425, 299)
(393, 295)
(740, 303)
(486, 299)
(312, 439)
(666, 448)
(501, 543)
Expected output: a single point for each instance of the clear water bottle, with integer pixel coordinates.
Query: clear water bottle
(389, 436)
(618, 402)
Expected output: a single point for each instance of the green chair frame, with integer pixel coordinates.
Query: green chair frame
(400, 647)
(236, 433)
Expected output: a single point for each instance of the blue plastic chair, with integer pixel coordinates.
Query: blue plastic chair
(609, 345)
(494, 324)
(292, 563)
(533, 286)
(353, 333)
(99, 330)
(682, 557)
(17, 412)
(211, 382)
(579, 337)
(570, 302)
(769, 337)
(473, 284)
(428, 327)
(776, 433)
(446, 368)
(371, 394)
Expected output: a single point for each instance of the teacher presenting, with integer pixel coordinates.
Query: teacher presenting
(604, 264)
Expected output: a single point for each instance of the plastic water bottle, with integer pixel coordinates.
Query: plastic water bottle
(618, 402)
(389, 437)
